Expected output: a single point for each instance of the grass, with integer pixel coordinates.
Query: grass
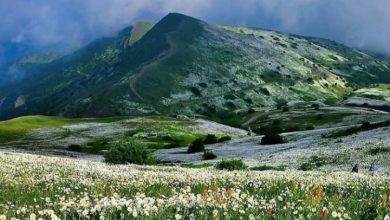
(379, 150)
(315, 162)
(354, 130)
(196, 166)
(95, 146)
(268, 167)
(17, 128)
(305, 120)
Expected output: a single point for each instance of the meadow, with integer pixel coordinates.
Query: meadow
(40, 187)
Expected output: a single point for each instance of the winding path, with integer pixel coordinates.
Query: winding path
(145, 68)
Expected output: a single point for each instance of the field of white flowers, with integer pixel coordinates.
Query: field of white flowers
(39, 187)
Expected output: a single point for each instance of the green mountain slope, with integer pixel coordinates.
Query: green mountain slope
(186, 66)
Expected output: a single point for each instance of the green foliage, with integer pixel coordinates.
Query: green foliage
(307, 166)
(196, 146)
(196, 91)
(314, 162)
(272, 138)
(196, 166)
(267, 167)
(379, 150)
(95, 146)
(211, 139)
(316, 106)
(231, 164)
(126, 152)
(18, 127)
(225, 138)
(74, 147)
(364, 127)
(208, 155)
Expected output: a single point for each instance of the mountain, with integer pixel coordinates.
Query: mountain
(182, 65)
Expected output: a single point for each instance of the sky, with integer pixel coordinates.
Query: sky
(32, 25)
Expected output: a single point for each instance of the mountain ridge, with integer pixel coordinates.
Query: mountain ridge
(182, 65)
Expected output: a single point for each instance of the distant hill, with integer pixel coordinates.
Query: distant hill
(182, 65)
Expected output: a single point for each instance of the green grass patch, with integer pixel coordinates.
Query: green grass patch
(354, 130)
(268, 167)
(315, 162)
(17, 128)
(196, 166)
(379, 150)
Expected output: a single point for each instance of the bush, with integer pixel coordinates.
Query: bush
(196, 146)
(209, 155)
(272, 138)
(231, 164)
(74, 147)
(225, 138)
(126, 152)
(365, 125)
(211, 139)
(316, 106)
(309, 127)
(292, 128)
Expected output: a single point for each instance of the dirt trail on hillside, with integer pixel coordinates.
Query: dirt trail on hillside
(172, 50)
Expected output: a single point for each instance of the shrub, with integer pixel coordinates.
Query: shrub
(365, 125)
(316, 106)
(309, 127)
(272, 138)
(196, 91)
(196, 146)
(208, 155)
(251, 110)
(225, 138)
(211, 139)
(292, 128)
(130, 152)
(74, 147)
(231, 164)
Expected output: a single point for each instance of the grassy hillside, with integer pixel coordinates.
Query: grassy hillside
(17, 127)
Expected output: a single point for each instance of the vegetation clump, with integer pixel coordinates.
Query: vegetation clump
(208, 155)
(126, 152)
(314, 162)
(74, 147)
(365, 126)
(211, 139)
(231, 164)
(267, 167)
(272, 138)
(196, 146)
(379, 150)
(225, 138)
